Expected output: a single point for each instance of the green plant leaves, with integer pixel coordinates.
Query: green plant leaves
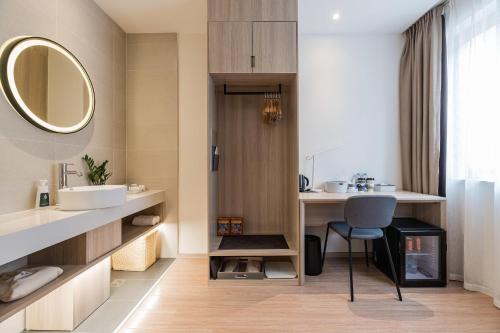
(97, 173)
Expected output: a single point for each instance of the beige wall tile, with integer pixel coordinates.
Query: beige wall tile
(119, 91)
(119, 172)
(193, 157)
(27, 17)
(152, 121)
(33, 154)
(152, 90)
(147, 52)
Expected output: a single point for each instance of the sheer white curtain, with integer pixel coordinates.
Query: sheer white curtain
(473, 162)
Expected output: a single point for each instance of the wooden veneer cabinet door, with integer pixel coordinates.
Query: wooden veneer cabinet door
(275, 47)
(252, 10)
(66, 307)
(230, 47)
(231, 10)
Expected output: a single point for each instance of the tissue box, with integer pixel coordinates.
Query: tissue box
(385, 188)
(137, 256)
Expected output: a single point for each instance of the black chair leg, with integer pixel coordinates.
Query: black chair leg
(324, 247)
(350, 270)
(366, 253)
(392, 267)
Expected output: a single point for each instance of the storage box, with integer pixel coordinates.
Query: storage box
(235, 268)
(138, 255)
(236, 226)
(223, 226)
(385, 188)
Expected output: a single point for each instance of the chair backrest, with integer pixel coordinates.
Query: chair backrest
(369, 211)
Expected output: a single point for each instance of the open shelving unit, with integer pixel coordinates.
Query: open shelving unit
(216, 252)
(129, 234)
(257, 173)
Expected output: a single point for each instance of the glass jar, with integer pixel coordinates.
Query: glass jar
(370, 184)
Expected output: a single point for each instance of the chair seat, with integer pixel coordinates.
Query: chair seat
(342, 229)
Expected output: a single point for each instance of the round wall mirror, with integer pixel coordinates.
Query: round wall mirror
(46, 84)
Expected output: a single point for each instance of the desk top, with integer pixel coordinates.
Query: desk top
(401, 196)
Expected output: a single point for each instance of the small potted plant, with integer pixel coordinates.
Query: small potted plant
(97, 173)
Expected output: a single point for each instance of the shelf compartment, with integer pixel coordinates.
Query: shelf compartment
(129, 234)
(216, 262)
(216, 252)
(253, 242)
(263, 282)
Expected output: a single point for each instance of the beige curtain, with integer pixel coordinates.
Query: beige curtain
(420, 103)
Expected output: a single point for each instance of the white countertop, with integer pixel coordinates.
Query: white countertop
(25, 232)
(401, 196)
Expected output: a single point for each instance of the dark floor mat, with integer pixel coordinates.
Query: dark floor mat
(253, 242)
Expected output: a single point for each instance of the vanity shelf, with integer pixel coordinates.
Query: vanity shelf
(129, 234)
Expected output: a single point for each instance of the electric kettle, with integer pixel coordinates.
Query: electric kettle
(303, 183)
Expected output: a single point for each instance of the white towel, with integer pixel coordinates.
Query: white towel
(146, 220)
(22, 282)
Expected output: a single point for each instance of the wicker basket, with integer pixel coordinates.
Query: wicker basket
(137, 256)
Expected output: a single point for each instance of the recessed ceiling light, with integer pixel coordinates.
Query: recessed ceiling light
(336, 16)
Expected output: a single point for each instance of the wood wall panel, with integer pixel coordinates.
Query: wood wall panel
(68, 252)
(253, 164)
(82, 249)
(292, 145)
(103, 240)
(213, 176)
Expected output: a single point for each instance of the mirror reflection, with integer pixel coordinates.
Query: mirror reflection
(47, 85)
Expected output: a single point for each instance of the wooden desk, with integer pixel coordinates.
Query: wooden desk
(427, 208)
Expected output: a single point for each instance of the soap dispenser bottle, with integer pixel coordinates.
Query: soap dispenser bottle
(42, 194)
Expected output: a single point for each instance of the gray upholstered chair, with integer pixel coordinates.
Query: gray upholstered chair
(366, 218)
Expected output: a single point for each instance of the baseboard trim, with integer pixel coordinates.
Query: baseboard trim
(192, 255)
(456, 277)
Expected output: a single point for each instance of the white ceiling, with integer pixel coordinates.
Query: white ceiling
(315, 16)
(360, 16)
(149, 16)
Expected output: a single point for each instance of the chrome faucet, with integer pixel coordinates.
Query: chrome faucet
(63, 174)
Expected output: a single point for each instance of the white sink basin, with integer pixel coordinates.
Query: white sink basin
(92, 197)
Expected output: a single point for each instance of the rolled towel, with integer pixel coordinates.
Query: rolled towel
(22, 282)
(146, 220)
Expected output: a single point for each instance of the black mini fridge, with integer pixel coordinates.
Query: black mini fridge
(418, 250)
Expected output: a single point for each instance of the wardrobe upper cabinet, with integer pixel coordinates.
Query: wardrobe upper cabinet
(276, 10)
(252, 10)
(231, 10)
(275, 47)
(230, 47)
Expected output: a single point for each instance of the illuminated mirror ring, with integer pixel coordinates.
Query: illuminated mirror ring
(10, 53)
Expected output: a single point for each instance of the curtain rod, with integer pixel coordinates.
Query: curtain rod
(441, 4)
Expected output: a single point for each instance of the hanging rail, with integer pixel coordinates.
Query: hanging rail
(250, 92)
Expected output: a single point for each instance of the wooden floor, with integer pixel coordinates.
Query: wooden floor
(183, 302)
